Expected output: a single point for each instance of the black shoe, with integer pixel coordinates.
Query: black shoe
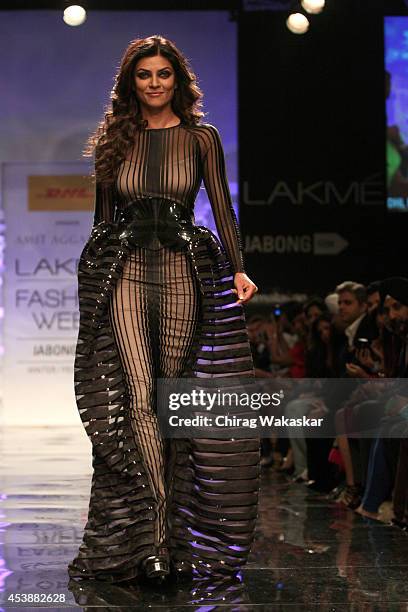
(157, 566)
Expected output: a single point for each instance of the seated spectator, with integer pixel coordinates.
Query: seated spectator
(314, 308)
(285, 337)
(322, 355)
(359, 331)
(353, 312)
(352, 307)
(256, 325)
(288, 355)
(259, 348)
(387, 469)
(320, 362)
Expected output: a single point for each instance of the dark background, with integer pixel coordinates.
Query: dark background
(312, 112)
(311, 143)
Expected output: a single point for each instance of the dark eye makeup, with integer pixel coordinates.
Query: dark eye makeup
(143, 74)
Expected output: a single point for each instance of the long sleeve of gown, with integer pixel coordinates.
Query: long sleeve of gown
(104, 206)
(216, 184)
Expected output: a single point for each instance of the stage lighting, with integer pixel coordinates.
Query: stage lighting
(313, 6)
(74, 15)
(297, 23)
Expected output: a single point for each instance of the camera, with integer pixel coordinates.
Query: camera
(361, 343)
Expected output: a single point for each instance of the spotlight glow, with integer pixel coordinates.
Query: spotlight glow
(313, 6)
(297, 23)
(74, 15)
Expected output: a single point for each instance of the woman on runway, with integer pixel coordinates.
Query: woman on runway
(160, 297)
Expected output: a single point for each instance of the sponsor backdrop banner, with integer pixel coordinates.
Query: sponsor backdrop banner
(46, 119)
(48, 219)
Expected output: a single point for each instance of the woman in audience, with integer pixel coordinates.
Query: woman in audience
(322, 353)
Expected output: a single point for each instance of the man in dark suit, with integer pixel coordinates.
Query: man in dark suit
(352, 303)
(352, 300)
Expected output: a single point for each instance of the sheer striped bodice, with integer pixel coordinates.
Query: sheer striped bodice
(171, 163)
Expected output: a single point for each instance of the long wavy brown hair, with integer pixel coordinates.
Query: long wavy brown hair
(123, 118)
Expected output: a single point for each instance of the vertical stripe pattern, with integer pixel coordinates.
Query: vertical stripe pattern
(172, 163)
(148, 313)
(154, 313)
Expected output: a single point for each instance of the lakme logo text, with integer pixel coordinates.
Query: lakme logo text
(325, 192)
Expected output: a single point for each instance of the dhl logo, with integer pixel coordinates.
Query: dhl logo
(60, 192)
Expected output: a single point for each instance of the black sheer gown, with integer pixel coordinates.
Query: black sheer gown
(172, 163)
(155, 312)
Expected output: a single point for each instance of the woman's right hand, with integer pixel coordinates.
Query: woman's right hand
(244, 287)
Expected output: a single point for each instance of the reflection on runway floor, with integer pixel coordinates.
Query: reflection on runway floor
(308, 554)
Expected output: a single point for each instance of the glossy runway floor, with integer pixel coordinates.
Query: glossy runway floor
(309, 554)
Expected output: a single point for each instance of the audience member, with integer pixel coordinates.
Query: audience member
(348, 353)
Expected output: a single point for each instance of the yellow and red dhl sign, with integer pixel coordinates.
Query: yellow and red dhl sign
(65, 192)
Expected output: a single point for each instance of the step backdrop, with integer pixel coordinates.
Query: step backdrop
(48, 209)
(53, 96)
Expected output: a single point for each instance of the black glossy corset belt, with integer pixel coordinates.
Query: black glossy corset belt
(155, 222)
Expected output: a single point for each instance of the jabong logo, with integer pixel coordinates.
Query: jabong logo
(206, 400)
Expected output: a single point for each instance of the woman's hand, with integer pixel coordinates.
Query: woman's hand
(244, 287)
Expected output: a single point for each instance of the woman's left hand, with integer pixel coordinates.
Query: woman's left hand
(244, 287)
